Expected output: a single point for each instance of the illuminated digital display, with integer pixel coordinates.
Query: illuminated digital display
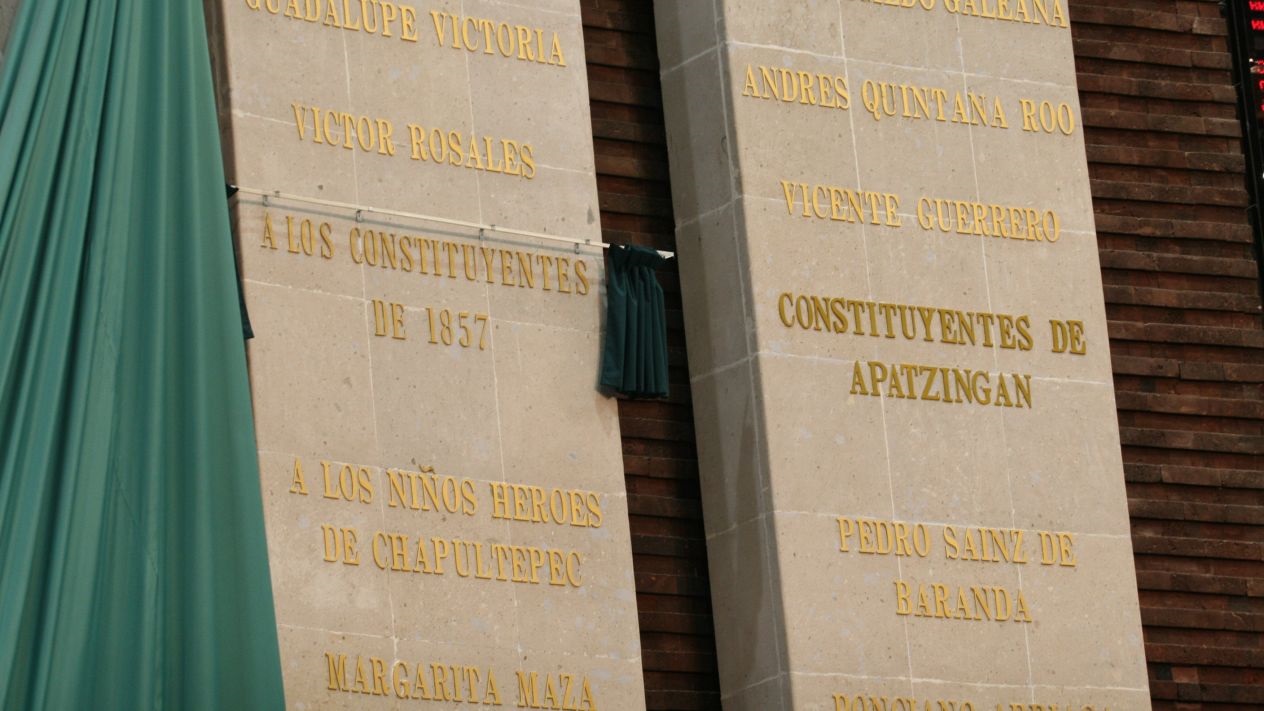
(1246, 39)
(1247, 21)
(1254, 61)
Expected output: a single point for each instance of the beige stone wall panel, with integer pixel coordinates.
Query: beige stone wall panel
(516, 405)
(786, 443)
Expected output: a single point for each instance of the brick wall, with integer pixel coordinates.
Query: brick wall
(659, 456)
(1183, 303)
(1183, 299)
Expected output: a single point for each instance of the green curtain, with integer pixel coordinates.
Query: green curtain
(634, 357)
(133, 566)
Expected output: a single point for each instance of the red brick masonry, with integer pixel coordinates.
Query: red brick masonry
(1182, 297)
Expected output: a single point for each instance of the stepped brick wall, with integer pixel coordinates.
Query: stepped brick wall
(1183, 301)
(1182, 290)
(660, 458)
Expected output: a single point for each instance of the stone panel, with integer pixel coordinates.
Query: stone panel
(916, 438)
(446, 510)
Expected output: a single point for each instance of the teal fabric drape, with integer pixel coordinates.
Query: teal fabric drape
(133, 565)
(634, 357)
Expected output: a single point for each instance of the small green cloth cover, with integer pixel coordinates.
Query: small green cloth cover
(634, 359)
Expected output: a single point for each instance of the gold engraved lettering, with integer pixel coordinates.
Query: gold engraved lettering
(440, 258)
(376, 134)
(842, 316)
(495, 38)
(347, 482)
(1048, 13)
(1056, 549)
(375, 17)
(868, 536)
(555, 691)
(984, 545)
(1047, 117)
(427, 491)
(298, 485)
(1068, 337)
(988, 220)
(827, 91)
(340, 545)
(400, 553)
(376, 676)
(335, 128)
(388, 320)
(533, 504)
(873, 702)
(951, 386)
(839, 204)
(884, 100)
(974, 603)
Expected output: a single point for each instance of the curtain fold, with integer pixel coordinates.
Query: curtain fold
(634, 355)
(133, 563)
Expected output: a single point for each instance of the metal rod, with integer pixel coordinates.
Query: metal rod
(430, 218)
